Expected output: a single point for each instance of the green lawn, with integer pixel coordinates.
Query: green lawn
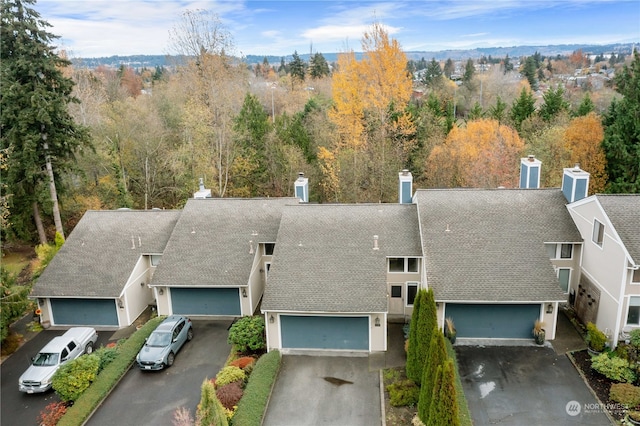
(14, 262)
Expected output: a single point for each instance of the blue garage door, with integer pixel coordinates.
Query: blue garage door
(317, 332)
(205, 301)
(493, 321)
(89, 312)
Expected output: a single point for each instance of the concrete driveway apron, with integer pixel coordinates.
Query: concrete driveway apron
(525, 385)
(321, 390)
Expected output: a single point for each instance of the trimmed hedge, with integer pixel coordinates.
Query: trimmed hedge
(256, 394)
(109, 377)
(463, 408)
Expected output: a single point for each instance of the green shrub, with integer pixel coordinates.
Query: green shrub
(74, 377)
(256, 394)
(230, 374)
(109, 377)
(625, 393)
(634, 338)
(403, 393)
(614, 368)
(248, 334)
(106, 355)
(463, 407)
(596, 339)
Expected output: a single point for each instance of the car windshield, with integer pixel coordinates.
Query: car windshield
(159, 339)
(46, 359)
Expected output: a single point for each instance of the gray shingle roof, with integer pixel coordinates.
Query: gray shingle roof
(494, 247)
(324, 259)
(624, 213)
(97, 258)
(210, 245)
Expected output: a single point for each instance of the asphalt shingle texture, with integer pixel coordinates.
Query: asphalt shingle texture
(487, 245)
(102, 250)
(210, 244)
(624, 213)
(324, 259)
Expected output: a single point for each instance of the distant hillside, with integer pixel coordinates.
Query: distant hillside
(151, 61)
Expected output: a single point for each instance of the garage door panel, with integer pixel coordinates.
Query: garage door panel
(205, 301)
(324, 332)
(493, 320)
(90, 312)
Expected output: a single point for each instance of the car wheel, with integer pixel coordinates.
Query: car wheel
(89, 348)
(190, 334)
(170, 358)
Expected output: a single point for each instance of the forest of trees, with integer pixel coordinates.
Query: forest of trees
(79, 139)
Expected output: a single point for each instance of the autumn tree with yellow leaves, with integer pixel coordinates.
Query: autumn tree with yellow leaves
(374, 129)
(583, 141)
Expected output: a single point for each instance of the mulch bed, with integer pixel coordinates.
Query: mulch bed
(598, 383)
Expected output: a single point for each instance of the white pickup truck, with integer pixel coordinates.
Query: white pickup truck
(73, 343)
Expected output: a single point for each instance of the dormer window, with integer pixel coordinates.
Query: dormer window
(268, 248)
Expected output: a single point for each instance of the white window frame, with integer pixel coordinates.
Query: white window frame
(597, 236)
(558, 251)
(628, 308)
(406, 265)
(406, 292)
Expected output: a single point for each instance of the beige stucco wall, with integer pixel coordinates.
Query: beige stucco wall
(605, 266)
(377, 334)
(136, 295)
(397, 307)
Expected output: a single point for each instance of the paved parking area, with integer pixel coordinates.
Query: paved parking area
(151, 397)
(525, 386)
(325, 390)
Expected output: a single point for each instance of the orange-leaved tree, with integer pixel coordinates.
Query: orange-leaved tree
(583, 139)
(484, 154)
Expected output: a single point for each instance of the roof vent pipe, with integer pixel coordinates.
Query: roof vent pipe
(375, 243)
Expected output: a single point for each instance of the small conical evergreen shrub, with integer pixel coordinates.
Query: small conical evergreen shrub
(444, 407)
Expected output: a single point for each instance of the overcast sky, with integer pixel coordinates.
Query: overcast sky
(93, 28)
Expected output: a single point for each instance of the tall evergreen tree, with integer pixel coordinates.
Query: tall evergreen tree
(476, 112)
(297, 68)
(413, 367)
(433, 72)
(499, 110)
(318, 67)
(37, 131)
(469, 71)
(251, 126)
(507, 65)
(436, 356)
(586, 106)
(449, 68)
(554, 103)
(444, 405)
(427, 323)
(529, 70)
(622, 132)
(523, 107)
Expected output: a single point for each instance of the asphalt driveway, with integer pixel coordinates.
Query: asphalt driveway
(525, 386)
(315, 390)
(19, 408)
(151, 397)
